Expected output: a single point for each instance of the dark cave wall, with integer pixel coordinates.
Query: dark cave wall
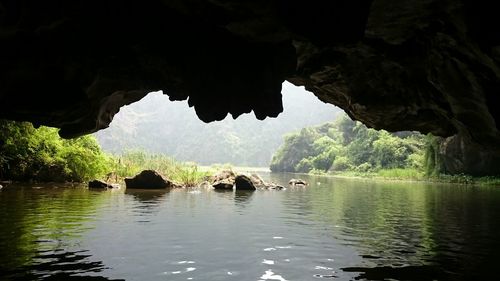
(428, 65)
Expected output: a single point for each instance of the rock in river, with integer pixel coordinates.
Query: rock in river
(149, 179)
(243, 182)
(98, 184)
(297, 182)
(223, 175)
(223, 184)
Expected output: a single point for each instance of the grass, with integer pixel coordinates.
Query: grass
(417, 175)
(132, 163)
(412, 174)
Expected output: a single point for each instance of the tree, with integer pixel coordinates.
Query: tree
(347, 145)
(40, 154)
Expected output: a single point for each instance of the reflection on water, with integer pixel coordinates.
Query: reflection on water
(342, 229)
(153, 196)
(57, 265)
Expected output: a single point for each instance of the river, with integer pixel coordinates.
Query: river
(334, 229)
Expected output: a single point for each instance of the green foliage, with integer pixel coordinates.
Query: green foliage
(432, 162)
(242, 142)
(304, 166)
(399, 173)
(298, 146)
(133, 162)
(341, 163)
(345, 145)
(41, 155)
(363, 168)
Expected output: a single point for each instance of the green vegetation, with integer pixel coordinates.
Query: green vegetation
(348, 146)
(243, 142)
(40, 154)
(133, 162)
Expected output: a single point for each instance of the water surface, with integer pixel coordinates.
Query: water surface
(334, 229)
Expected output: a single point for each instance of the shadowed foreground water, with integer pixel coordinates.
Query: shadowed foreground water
(334, 229)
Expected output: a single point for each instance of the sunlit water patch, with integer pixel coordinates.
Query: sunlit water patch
(332, 229)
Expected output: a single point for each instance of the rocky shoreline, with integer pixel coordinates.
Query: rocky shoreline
(222, 180)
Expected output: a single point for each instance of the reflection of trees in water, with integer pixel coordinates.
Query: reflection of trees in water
(400, 229)
(464, 228)
(60, 265)
(41, 220)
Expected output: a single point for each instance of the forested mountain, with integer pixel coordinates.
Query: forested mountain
(158, 125)
(346, 145)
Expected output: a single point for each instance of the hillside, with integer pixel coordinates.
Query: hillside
(158, 125)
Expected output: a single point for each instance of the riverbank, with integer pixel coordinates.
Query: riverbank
(412, 175)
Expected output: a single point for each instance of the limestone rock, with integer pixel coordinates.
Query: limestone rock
(430, 66)
(223, 184)
(149, 179)
(458, 154)
(274, 186)
(257, 180)
(243, 182)
(98, 184)
(294, 182)
(223, 175)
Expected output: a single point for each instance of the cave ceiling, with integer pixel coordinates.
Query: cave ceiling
(429, 65)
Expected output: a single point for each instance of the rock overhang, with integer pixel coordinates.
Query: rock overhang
(429, 65)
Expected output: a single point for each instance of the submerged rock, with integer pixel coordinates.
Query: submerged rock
(243, 182)
(149, 179)
(205, 184)
(98, 184)
(224, 184)
(274, 186)
(294, 182)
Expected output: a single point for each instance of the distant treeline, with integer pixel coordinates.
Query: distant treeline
(346, 145)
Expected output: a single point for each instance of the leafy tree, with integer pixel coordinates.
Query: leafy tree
(40, 154)
(432, 162)
(304, 166)
(347, 145)
(341, 163)
(297, 147)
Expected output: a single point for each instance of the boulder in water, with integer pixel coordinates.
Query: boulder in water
(223, 175)
(149, 179)
(98, 184)
(224, 184)
(294, 182)
(274, 186)
(243, 182)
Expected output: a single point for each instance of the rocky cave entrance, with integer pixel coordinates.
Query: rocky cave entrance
(428, 66)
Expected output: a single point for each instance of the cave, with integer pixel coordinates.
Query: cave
(430, 66)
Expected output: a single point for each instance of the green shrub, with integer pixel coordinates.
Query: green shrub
(365, 167)
(41, 155)
(304, 166)
(341, 163)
